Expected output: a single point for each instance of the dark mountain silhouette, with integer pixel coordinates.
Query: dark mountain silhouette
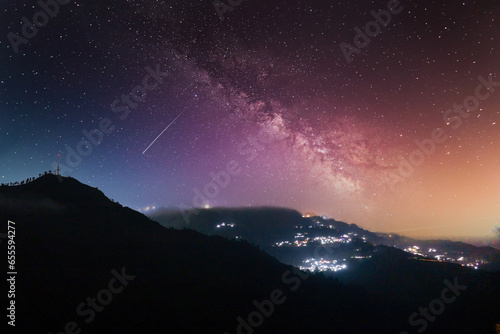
(266, 226)
(393, 275)
(491, 254)
(71, 241)
(261, 226)
(70, 237)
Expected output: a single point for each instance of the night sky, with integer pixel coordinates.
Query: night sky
(268, 95)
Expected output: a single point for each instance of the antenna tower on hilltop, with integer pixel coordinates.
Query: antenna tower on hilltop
(57, 172)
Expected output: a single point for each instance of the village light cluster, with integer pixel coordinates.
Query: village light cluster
(320, 265)
(302, 240)
(225, 225)
(446, 257)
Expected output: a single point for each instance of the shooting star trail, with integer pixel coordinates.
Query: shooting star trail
(163, 132)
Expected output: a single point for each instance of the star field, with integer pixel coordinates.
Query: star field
(269, 88)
